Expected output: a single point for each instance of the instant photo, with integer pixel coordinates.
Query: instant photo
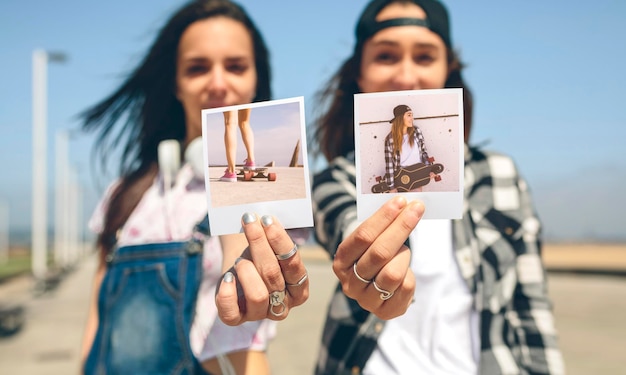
(274, 182)
(410, 143)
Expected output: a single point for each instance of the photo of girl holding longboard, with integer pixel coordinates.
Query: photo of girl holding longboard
(407, 164)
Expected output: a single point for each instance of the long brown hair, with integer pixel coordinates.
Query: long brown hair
(144, 110)
(397, 134)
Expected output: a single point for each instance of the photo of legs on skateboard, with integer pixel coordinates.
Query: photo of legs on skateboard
(230, 141)
(409, 142)
(268, 162)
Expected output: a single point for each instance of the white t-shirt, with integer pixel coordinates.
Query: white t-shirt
(439, 333)
(409, 155)
(157, 219)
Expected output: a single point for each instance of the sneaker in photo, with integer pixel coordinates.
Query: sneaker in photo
(229, 176)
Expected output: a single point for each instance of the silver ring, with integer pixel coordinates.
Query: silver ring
(277, 299)
(282, 309)
(301, 281)
(288, 255)
(359, 276)
(384, 294)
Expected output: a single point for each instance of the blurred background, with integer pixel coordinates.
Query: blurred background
(547, 79)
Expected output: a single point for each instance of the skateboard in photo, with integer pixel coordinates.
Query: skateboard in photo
(411, 177)
(416, 175)
(249, 174)
(381, 186)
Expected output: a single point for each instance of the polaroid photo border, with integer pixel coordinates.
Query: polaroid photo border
(278, 128)
(439, 115)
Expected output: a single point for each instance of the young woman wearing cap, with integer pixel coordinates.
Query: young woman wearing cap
(464, 296)
(404, 145)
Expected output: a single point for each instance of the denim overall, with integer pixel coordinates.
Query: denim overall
(146, 306)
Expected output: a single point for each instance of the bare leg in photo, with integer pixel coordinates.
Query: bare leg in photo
(230, 143)
(247, 135)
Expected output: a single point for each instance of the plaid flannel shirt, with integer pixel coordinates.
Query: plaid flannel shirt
(392, 161)
(498, 250)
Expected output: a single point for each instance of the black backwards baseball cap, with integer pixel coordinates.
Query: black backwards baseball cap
(437, 20)
(400, 110)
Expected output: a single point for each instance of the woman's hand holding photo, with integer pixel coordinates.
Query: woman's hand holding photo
(372, 263)
(267, 280)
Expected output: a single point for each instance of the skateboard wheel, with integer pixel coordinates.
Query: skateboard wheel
(437, 178)
(247, 176)
(271, 176)
(431, 159)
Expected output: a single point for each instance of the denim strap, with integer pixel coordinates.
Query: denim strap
(200, 233)
(203, 226)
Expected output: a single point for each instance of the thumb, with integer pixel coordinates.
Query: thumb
(227, 302)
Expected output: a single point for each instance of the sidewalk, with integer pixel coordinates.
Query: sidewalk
(588, 312)
(49, 342)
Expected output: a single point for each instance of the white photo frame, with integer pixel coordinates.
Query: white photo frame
(280, 146)
(439, 115)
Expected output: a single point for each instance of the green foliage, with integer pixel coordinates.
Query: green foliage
(16, 264)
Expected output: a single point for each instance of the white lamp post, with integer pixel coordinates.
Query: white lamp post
(73, 217)
(39, 233)
(68, 205)
(61, 207)
(4, 232)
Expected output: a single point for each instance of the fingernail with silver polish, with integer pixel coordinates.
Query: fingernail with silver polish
(267, 220)
(228, 277)
(248, 218)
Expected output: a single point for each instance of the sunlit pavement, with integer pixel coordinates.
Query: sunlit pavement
(49, 342)
(589, 316)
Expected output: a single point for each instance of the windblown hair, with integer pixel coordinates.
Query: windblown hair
(144, 110)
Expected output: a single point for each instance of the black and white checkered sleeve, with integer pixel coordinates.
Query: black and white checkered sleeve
(334, 203)
(531, 314)
(390, 161)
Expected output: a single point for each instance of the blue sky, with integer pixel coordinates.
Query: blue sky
(547, 77)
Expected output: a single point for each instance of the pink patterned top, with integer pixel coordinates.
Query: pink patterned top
(163, 217)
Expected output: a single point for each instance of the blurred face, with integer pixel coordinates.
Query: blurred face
(215, 68)
(408, 119)
(403, 57)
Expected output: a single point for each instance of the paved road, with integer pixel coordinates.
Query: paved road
(589, 315)
(289, 184)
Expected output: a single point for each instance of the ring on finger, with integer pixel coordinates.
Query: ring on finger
(288, 255)
(277, 299)
(366, 281)
(384, 294)
(301, 281)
